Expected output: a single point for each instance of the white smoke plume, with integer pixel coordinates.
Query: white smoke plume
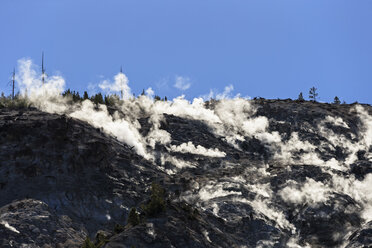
(150, 92)
(263, 203)
(226, 94)
(311, 192)
(360, 191)
(45, 96)
(113, 125)
(189, 147)
(7, 226)
(182, 83)
(337, 121)
(179, 163)
(119, 85)
(212, 191)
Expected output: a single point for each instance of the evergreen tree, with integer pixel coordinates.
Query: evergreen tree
(336, 100)
(97, 98)
(110, 100)
(75, 96)
(143, 92)
(300, 97)
(133, 217)
(157, 202)
(66, 93)
(85, 95)
(313, 94)
(107, 100)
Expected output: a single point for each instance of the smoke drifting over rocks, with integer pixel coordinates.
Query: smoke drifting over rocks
(190, 148)
(237, 172)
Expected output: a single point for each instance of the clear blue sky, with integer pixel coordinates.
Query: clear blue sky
(267, 48)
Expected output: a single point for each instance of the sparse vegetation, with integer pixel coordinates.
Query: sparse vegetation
(101, 240)
(111, 100)
(157, 201)
(74, 96)
(88, 244)
(97, 98)
(133, 217)
(118, 228)
(192, 213)
(300, 97)
(336, 100)
(18, 102)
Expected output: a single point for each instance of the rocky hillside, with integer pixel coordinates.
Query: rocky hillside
(229, 173)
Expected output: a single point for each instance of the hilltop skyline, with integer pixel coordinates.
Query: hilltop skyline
(257, 49)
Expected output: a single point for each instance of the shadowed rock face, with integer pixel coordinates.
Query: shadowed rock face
(37, 226)
(72, 167)
(62, 180)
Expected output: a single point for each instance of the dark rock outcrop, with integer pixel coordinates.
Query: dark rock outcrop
(62, 180)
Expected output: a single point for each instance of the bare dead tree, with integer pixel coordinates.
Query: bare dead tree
(13, 82)
(121, 91)
(313, 94)
(42, 68)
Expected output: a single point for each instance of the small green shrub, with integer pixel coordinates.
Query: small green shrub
(157, 201)
(18, 102)
(300, 97)
(192, 213)
(118, 228)
(336, 100)
(88, 244)
(133, 217)
(101, 240)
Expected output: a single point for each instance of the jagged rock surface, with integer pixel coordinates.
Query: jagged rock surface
(37, 226)
(86, 181)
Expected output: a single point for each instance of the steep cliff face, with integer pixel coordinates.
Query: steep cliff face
(235, 173)
(74, 168)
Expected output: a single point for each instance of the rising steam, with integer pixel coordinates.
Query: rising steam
(232, 119)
